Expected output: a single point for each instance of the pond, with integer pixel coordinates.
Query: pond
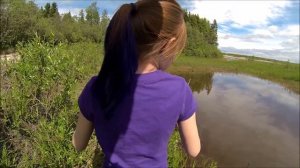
(246, 121)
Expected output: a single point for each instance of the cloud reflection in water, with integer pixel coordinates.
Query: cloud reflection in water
(246, 121)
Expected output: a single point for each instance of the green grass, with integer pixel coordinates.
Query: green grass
(284, 73)
(178, 158)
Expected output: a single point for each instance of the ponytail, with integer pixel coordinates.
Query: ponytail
(117, 75)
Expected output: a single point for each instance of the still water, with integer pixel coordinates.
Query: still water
(246, 121)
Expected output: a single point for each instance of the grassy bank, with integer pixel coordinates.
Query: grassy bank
(283, 73)
(38, 108)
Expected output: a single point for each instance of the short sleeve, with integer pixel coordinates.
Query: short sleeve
(85, 101)
(189, 105)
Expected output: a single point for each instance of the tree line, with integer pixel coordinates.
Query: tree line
(202, 36)
(20, 20)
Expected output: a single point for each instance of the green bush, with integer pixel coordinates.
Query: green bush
(38, 108)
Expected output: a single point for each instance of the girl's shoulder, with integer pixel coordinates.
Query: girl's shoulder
(85, 99)
(161, 76)
(88, 86)
(176, 78)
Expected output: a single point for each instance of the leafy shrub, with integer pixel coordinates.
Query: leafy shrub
(38, 108)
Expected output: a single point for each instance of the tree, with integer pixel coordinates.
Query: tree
(47, 10)
(53, 10)
(67, 17)
(92, 15)
(202, 37)
(15, 23)
(104, 23)
(104, 18)
(214, 29)
(4, 24)
(16, 26)
(81, 16)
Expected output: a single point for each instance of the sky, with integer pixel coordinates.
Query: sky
(264, 28)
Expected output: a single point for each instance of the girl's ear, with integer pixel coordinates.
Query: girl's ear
(172, 40)
(167, 54)
(168, 44)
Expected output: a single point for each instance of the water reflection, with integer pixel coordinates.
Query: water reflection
(245, 121)
(199, 81)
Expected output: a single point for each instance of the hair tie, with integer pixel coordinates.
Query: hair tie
(133, 8)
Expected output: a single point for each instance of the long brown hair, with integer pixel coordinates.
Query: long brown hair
(155, 23)
(138, 32)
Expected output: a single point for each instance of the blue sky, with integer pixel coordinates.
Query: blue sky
(266, 28)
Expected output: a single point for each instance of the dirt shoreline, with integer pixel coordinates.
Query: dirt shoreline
(10, 57)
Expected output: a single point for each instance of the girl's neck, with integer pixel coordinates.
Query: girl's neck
(146, 67)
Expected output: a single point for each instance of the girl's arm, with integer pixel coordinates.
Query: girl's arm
(82, 134)
(189, 136)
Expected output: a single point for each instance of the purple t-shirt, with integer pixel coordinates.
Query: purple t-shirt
(138, 134)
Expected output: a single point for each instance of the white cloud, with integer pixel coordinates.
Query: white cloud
(73, 11)
(271, 36)
(246, 27)
(292, 30)
(241, 13)
(280, 43)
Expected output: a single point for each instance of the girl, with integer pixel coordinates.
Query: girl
(133, 104)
